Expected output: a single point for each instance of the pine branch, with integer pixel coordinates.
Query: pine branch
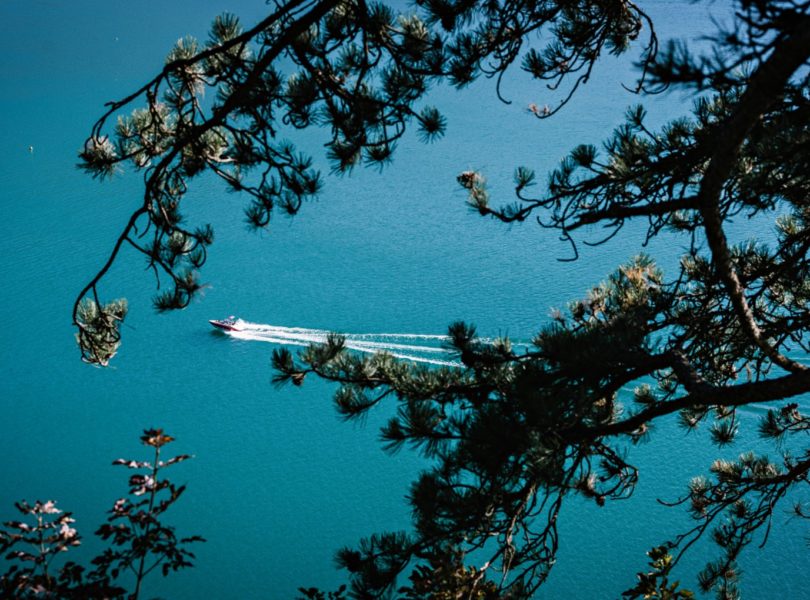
(765, 88)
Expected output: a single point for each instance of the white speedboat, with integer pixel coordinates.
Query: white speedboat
(229, 324)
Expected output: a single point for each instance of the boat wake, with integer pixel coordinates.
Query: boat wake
(416, 347)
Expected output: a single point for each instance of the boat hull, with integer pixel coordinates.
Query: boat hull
(223, 325)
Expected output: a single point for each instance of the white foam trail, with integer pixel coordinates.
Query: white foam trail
(392, 343)
(387, 346)
(246, 335)
(320, 335)
(368, 347)
(430, 361)
(416, 336)
(277, 329)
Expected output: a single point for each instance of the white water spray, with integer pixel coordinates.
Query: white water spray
(415, 347)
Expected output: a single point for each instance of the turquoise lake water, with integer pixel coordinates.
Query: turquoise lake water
(278, 482)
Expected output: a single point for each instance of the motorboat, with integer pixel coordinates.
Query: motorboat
(229, 324)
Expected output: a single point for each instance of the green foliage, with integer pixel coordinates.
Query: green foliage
(443, 576)
(316, 594)
(30, 547)
(99, 334)
(139, 542)
(654, 584)
(99, 157)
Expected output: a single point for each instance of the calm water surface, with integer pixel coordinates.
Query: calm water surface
(278, 482)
